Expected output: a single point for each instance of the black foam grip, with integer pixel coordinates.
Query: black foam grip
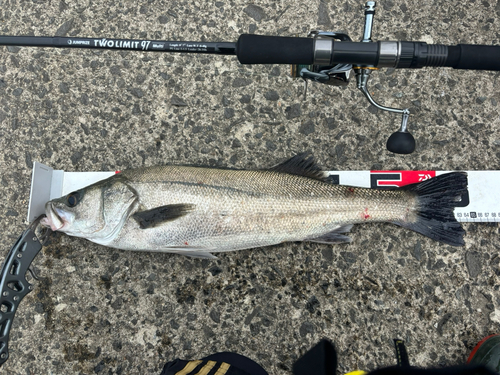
(467, 56)
(260, 49)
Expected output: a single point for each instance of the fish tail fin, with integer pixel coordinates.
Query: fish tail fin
(436, 201)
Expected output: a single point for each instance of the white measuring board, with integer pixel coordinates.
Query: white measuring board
(481, 204)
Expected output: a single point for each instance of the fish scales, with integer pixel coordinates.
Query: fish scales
(196, 211)
(246, 208)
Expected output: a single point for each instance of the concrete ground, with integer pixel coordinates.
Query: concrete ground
(104, 311)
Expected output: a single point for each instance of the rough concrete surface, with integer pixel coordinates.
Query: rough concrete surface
(104, 311)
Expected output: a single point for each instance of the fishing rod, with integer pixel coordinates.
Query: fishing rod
(324, 57)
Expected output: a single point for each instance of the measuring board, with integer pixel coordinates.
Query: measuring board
(480, 204)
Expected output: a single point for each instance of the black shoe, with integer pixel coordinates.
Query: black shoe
(487, 352)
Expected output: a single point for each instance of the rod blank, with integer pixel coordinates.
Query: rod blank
(218, 48)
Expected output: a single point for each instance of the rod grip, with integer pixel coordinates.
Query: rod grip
(261, 49)
(477, 57)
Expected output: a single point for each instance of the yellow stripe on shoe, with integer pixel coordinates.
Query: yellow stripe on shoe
(206, 369)
(223, 368)
(190, 366)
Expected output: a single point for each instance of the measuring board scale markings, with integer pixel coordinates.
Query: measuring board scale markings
(480, 204)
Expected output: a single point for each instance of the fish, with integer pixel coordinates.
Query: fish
(198, 211)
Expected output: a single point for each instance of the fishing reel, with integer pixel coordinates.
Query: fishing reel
(401, 141)
(327, 57)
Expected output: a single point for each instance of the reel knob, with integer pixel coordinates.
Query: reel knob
(401, 142)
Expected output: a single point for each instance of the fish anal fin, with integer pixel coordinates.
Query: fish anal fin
(334, 237)
(159, 215)
(193, 252)
(301, 165)
(200, 255)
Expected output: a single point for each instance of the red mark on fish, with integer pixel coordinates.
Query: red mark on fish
(185, 243)
(365, 214)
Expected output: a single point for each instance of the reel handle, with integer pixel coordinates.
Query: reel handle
(402, 142)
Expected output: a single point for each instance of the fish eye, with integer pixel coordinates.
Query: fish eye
(72, 199)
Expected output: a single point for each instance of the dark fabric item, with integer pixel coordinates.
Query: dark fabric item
(173, 366)
(401, 353)
(320, 360)
(225, 363)
(237, 360)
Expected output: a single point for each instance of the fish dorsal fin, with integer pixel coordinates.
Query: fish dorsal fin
(301, 165)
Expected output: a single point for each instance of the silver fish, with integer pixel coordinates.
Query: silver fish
(196, 211)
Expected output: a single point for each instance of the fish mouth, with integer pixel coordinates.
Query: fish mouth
(53, 218)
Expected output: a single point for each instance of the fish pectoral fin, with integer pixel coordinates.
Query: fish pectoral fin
(191, 252)
(333, 237)
(301, 165)
(159, 215)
